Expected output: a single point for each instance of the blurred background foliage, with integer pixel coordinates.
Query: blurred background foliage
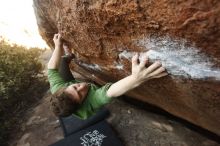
(22, 83)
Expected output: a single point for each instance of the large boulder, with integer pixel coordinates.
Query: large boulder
(183, 34)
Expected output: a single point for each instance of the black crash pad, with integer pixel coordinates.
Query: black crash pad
(72, 124)
(100, 134)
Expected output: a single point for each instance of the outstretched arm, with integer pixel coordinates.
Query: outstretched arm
(139, 75)
(57, 53)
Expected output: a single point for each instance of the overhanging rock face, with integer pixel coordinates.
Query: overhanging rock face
(184, 35)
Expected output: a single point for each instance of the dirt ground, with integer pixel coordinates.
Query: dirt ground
(135, 124)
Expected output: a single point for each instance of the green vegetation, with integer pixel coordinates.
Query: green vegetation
(21, 83)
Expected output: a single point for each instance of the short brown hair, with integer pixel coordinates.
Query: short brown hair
(61, 104)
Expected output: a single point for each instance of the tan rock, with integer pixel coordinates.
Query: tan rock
(184, 35)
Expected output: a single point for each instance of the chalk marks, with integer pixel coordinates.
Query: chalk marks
(97, 67)
(91, 66)
(118, 65)
(126, 54)
(178, 57)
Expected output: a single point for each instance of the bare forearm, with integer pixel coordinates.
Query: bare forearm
(139, 75)
(55, 58)
(122, 86)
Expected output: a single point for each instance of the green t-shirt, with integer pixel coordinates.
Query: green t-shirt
(95, 99)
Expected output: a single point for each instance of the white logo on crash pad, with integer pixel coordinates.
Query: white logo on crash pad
(93, 138)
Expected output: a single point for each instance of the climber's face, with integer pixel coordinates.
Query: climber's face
(77, 92)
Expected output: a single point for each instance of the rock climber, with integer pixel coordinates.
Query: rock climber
(70, 96)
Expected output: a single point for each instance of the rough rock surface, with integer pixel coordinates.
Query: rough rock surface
(183, 34)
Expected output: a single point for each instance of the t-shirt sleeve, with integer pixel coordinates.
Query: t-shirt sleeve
(100, 98)
(55, 80)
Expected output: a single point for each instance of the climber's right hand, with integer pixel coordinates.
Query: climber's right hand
(57, 40)
(141, 73)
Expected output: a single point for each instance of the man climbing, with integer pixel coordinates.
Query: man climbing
(70, 96)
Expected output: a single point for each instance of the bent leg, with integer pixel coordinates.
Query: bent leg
(64, 69)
